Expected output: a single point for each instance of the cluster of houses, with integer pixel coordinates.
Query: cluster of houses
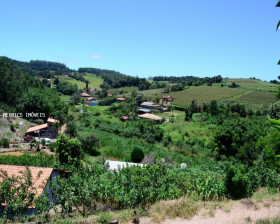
(145, 111)
(90, 100)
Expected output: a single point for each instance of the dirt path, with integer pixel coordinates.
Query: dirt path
(238, 214)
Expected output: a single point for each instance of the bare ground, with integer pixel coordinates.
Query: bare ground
(239, 213)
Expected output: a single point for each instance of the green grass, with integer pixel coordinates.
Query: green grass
(128, 90)
(257, 97)
(152, 92)
(94, 80)
(203, 94)
(65, 98)
(80, 84)
(253, 84)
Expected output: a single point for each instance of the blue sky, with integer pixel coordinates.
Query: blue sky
(147, 37)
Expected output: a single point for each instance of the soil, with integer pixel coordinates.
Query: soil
(239, 213)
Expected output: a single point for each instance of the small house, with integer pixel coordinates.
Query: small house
(41, 177)
(124, 118)
(47, 130)
(150, 159)
(109, 95)
(150, 116)
(119, 99)
(149, 105)
(93, 104)
(167, 99)
(118, 165)
(85, 95)
(143, 111)
(91, 99)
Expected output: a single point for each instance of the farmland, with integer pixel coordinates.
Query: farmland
(257, 97)
(253, 84)
(94, 81)
(204, 94)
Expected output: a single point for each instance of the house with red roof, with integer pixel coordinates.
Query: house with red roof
(46, 130)
(41, 177)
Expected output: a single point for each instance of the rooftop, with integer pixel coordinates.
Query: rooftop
(121, 99)
(150, 116)
(36, 128)
(149, 104)
(117, 165)
(85, 95)
(51, 120)
(40, 175)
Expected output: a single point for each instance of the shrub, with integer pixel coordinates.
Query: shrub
(182, 207)
(104, 218)
(137, 155)
(5, 143)
(274, 110)
(52, 146)
(90, 144)
(12, 127)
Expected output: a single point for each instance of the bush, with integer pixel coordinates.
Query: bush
(90, 144)
(104, 218)
(137, 155)
(52, 146)
(5, 143)
(12, 127)
(274, 110)
(184, 208)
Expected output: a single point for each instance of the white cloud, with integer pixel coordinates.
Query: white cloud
(96, 56)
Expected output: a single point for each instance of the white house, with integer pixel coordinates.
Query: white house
(118, 165)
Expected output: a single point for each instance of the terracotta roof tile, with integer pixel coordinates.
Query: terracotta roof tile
(150, 116)
(36, 128)
(39, 183)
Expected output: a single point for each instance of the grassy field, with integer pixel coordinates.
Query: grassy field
(65, 98)
(257, 97)
(204, 94)
(128, 90)
(94, 80)
(253, 84)
(151, 92)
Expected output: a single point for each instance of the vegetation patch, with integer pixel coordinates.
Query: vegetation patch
(183, 207)
(203, 94)
(257, 97)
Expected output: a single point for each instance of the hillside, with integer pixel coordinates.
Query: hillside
(204, 153)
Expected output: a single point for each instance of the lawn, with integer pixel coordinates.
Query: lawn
(204, 94)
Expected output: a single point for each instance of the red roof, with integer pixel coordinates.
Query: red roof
(40, 175)
(36, 128)
(51, 120)
(121, 99)
(85, 95)
(166, 97)
(124, 117)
